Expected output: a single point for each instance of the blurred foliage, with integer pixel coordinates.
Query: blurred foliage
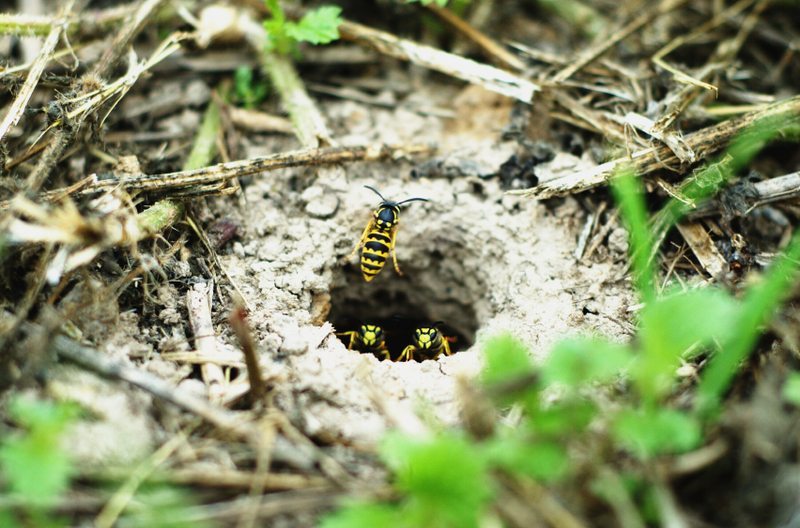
(247, 92)
(36, 470)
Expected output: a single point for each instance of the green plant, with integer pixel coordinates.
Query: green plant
(317, 26)
(541, 447)
(35, 468)
(246, 92)
(791, 388)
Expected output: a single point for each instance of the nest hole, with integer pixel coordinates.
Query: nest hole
(399, 305)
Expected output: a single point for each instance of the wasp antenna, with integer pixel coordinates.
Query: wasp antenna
(413, 200)
(373, 189)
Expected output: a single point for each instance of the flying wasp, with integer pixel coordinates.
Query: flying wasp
(378, 238)
(429, 343)
(369, 338)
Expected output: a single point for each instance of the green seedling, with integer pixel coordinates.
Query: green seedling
(317, 26)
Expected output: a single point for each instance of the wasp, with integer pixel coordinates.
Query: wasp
(378, 238)
(369, 338)
(429, 343)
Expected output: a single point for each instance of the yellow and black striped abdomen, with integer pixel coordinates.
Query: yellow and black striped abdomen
(377, 246)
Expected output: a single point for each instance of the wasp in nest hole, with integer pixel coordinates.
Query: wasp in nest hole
(378, 238)
(376, 243)
(428, 342)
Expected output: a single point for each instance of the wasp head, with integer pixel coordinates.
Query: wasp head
(388, 212)
(425, 337)
(371, 335)
(386, 216)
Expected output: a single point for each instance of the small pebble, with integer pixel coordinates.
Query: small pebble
(293, 344)
(618, 240)
(320, 203)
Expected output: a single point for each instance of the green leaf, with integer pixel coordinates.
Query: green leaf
(33, 463)
(319, 26)
(544, 461)
(678, 323)
(364, 514)
(445, 478)
(8, 519)
(505, 358)
(576, 361)
(648, 433)
(563, 418)
(35, 468)
(791, 388)
(630, 197)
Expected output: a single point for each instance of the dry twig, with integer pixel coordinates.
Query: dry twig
(172, 182)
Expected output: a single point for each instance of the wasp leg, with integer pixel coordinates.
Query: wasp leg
(446, 346)
(361, 240)
(394, 252)
(351, 335)
(407, 354)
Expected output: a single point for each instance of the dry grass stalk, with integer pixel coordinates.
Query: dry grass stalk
(720, 58)
(704, 142)
(217, 478)
(488, 45)
(37, 67)
(786, 187)
(658, 57)
(489, 77)
(116, 504)
(228, 422)
(308, 122)
(198, 304)
(703, 248)
(255, 121)
(64, 135)
(592, 53)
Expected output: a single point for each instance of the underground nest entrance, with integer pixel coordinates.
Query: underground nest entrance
(399, 306)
